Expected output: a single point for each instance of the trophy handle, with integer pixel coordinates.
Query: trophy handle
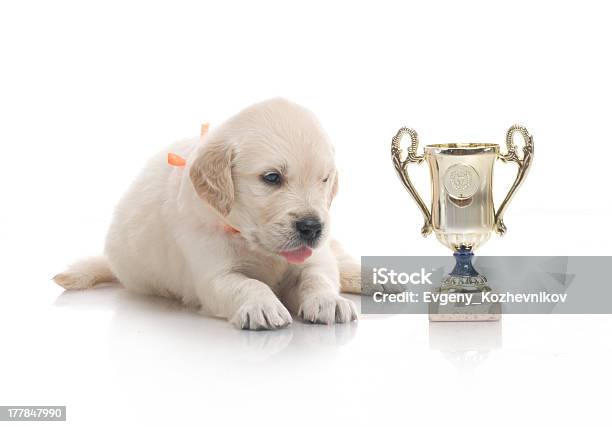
(401, 167)
(523, 167)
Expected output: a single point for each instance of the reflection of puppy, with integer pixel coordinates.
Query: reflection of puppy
(243, 224)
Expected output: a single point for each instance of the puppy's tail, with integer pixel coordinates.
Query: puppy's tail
(350, 270)
(85, 274)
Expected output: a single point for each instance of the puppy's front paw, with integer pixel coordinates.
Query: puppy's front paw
(261, 314)
(327, 308)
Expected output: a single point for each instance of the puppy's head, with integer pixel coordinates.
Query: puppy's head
(270, 172)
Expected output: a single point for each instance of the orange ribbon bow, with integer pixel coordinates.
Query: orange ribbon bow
(176, 160)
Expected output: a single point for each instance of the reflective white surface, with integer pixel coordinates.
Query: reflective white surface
(114, 357)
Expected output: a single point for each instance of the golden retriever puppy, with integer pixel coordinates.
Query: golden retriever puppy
(241, 230)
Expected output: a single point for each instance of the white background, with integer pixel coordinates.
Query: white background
(89, 90)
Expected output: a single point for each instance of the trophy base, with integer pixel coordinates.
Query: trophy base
(463, 291)
(475, 311)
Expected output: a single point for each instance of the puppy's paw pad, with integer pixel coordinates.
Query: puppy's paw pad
(259, 315)
(327, 308)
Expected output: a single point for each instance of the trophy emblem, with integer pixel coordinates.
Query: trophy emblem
(461, 181)
(462, 213)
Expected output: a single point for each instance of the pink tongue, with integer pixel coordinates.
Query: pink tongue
(297, 256)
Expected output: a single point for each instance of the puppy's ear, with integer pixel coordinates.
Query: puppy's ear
(211, 175)
(334, 189)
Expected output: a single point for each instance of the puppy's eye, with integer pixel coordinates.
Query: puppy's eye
(272, 178)
(326, 179)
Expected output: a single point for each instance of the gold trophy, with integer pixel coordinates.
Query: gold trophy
(462, 210)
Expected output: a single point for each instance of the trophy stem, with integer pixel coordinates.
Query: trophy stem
(464, 277)
(463, 263)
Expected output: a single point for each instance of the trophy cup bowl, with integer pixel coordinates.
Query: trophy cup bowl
(462, 213)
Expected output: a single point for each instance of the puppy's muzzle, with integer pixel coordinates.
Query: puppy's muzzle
(309, 230)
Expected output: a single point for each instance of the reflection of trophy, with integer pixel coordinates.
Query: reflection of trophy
(462, 213)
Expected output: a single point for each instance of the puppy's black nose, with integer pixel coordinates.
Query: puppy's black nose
(309, 228)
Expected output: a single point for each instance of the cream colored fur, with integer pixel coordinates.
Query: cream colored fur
(169, 233)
